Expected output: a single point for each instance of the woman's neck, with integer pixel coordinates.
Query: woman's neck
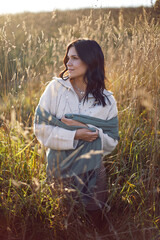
(78, 84)
(79, 88)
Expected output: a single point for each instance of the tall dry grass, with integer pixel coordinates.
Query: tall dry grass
(32, 209)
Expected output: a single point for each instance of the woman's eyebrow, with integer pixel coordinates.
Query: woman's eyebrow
(74, 55)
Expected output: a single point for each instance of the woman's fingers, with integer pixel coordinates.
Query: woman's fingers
(71, 122)
(67, 121)
(86, 135)
(64, 120)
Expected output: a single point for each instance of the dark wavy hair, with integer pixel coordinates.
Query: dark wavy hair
(90, 53)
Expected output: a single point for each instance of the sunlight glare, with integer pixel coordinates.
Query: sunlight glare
(18, 6)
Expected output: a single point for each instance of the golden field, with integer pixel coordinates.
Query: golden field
(32, 48)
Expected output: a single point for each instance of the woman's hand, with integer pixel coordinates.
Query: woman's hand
(86, 135)
(71, 122)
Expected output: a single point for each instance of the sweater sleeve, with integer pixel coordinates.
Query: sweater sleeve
(108, 143)
(52, 136)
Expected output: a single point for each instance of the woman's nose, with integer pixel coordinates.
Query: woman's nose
(69, 63)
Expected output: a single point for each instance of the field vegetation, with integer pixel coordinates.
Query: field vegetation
(32, 48)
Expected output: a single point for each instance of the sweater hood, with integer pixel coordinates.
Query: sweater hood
(68, 85)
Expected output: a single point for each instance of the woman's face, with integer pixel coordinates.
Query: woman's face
(76, 67)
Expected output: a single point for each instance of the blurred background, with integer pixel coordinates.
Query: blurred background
(18, 6)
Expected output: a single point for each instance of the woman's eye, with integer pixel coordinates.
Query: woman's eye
(72, 58)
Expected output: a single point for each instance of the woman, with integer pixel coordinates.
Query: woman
(76, 119)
